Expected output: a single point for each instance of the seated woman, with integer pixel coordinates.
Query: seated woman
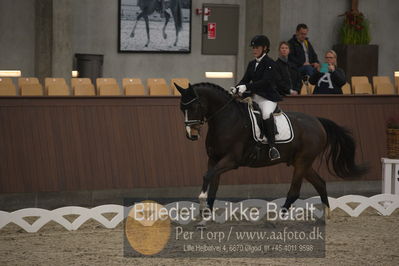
(290, 78)
(329, 80)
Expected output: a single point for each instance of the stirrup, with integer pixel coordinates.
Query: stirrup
(274, 154)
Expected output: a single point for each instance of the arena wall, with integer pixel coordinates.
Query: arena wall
(90, 143)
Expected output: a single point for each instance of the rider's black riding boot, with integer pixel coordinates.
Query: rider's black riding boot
(268, 126)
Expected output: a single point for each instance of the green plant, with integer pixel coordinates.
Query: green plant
(355, 28)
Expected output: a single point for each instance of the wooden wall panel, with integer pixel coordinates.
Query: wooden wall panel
(91, 143)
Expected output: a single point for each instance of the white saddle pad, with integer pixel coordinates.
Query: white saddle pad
(283, 123)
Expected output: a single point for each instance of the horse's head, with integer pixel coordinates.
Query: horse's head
(194, 116)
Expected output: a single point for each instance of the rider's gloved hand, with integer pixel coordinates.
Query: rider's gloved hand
(232, 90)
(241, 89)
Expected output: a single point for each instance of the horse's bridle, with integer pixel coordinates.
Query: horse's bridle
(190, 123)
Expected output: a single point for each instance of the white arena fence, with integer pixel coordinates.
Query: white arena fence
(384, 204)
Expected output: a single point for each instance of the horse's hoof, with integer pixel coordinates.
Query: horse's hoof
(327, 212)
(132, 35)
(165, 36)
(284, 212)
(284, 209)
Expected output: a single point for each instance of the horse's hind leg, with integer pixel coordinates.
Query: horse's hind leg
(319, 184)
(301, 169)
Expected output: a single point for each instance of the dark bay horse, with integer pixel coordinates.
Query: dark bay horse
(150, 6)
(230, 144)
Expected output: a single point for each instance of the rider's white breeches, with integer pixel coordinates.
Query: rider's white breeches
(265, 105)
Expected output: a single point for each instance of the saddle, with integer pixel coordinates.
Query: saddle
(283, 128)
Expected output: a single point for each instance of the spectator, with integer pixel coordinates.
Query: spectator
(329, 80)
(290, 82)
(302, 53)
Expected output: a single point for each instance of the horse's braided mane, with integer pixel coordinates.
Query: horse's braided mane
(213, 86)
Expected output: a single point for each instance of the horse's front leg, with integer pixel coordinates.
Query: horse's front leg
(177, 38)
(211, 180)
(167, 17)
(135, 24)
(211, 184)
(213, 188)
(147, 27)
(203, 196)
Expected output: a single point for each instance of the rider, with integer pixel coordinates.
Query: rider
(259, 82)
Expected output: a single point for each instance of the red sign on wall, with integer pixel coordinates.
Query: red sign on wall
(211, 31)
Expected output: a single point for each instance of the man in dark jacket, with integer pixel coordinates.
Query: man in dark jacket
(259, 81)
(302, 53)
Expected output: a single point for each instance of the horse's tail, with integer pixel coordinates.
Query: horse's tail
(342, 151)
(178, 16)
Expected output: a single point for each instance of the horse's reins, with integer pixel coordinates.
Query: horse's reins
(218, 111)
(195, 122)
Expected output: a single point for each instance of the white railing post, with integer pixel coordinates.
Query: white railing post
(395, 176)
(390, 176)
